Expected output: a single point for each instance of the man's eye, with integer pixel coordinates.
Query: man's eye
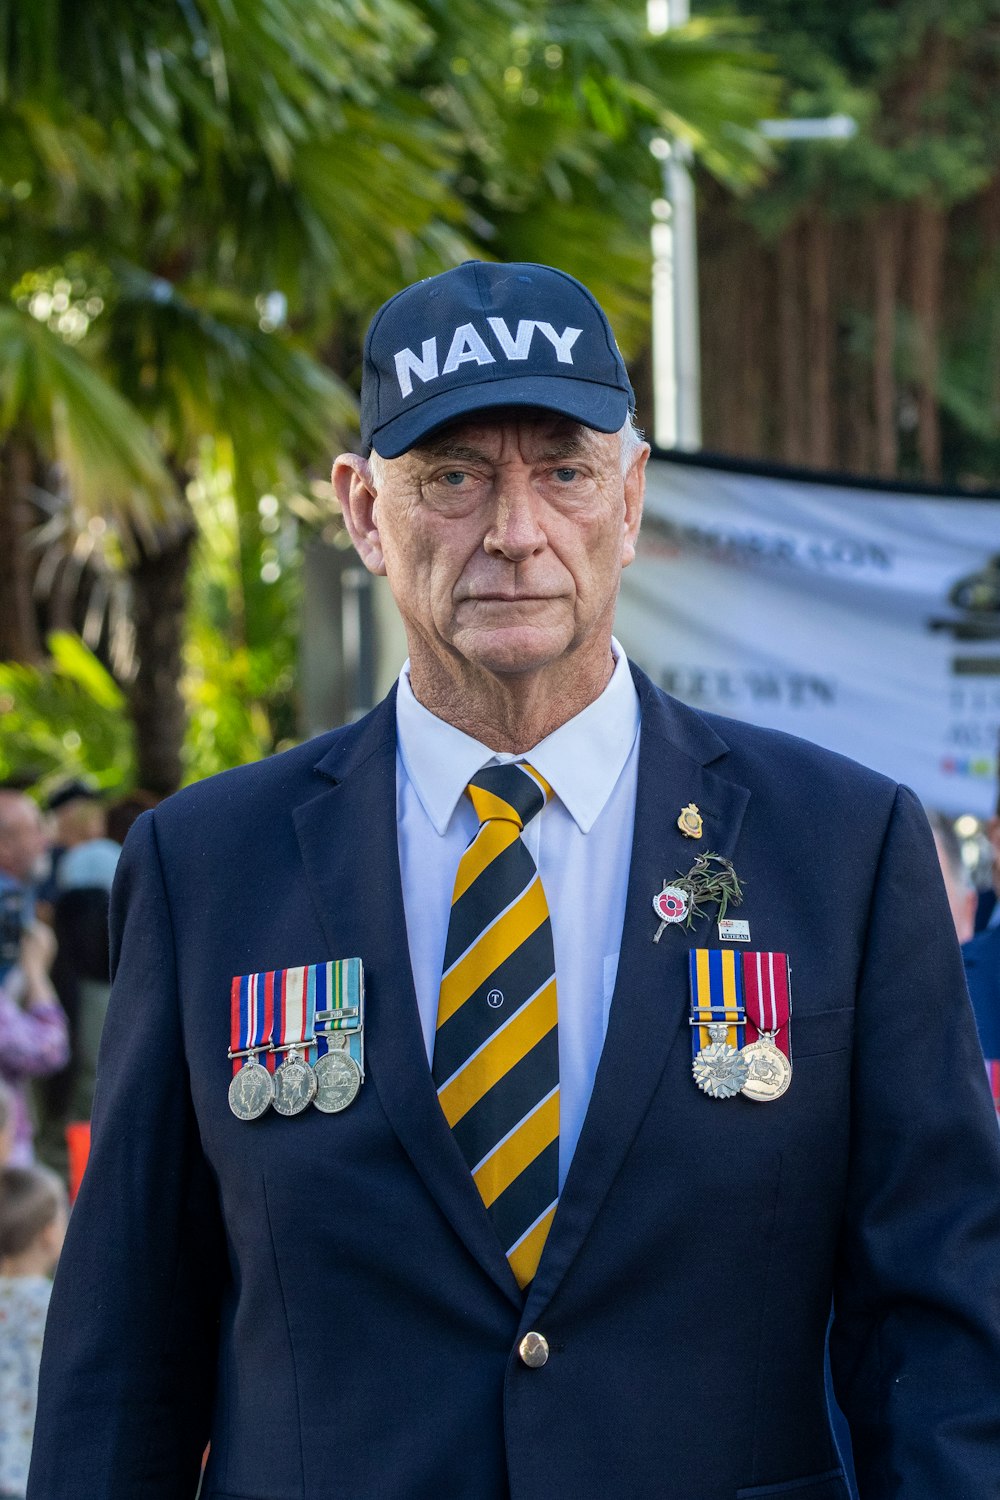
(566, 476)
(454, 477)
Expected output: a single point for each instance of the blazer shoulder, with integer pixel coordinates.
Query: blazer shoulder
(275, 784)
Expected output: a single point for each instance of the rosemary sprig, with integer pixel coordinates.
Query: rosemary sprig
(711, 881)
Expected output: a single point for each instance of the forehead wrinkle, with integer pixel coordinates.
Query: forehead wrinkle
(566, 445)
(451, 448)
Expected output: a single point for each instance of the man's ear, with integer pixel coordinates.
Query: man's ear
(635, 492)
(354, 488)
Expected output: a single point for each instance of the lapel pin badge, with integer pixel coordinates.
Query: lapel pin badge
(689, 822)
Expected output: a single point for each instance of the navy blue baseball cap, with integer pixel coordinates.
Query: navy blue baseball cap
(483, 336)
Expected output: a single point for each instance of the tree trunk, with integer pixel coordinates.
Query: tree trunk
(792, 433)
(819, 343)
(990, 217)
(885, 268)
(159, 596)
(928, 278)
(19, 639)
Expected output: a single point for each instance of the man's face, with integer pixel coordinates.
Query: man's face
(504, 540)
(22, 838)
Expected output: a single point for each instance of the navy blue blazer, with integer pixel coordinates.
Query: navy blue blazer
(324, 1298)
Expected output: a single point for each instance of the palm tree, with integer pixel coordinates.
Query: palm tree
(201, 203)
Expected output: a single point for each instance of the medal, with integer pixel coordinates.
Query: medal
(718, 1022)
(768, 1001)
(294, 1034)
(719, 1069)
(251, 1090)
(768, 1071)
(338, 1079)
(340, 1037)
(294, 1085)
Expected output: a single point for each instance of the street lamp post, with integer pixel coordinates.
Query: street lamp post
(676, 340)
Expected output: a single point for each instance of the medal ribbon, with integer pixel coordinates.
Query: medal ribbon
(716, 996)
(339, 986)
(768, 997)
(251, 1016)
(294, 1012)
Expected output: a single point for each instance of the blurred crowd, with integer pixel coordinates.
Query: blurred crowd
(56, 870)
(57, 865)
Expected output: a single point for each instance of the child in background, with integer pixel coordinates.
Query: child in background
(32, 1227)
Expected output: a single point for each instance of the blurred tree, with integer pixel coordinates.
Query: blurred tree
(202, 202)
(861, 281)
(62, 719)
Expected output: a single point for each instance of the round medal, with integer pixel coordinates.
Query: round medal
(251, 1091)
(294, 1085)
(770, 1072)
(338, 1079)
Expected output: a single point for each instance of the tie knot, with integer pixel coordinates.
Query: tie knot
(514, 793)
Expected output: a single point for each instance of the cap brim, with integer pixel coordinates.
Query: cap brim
(602, 407)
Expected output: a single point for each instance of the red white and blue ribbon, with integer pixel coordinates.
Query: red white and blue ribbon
(251, 1017)
(276, 1010)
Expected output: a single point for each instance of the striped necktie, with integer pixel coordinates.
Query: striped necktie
(496, 1055)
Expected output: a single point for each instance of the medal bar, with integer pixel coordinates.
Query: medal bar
(251, 1090)
(340, 1042)
(718, 1022)
(768, 996)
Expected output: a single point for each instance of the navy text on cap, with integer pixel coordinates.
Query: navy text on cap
(483, 336)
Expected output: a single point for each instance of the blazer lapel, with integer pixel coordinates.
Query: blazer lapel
(649, 1010)
(347, 835)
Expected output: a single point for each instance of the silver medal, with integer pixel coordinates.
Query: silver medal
(719, 1069)
(251, 1091)
(294, 1085)
(338, 1079)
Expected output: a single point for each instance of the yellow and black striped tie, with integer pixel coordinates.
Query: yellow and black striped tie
(496, 1054)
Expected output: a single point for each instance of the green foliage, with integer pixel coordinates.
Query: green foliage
(201, 204)
(244, 595)
(67, 719)
(920, 80)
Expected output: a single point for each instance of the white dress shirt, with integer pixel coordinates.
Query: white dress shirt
(581, 843)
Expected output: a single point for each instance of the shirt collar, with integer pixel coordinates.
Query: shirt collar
(581, 760)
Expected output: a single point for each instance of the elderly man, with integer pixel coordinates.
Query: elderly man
(456, 1134)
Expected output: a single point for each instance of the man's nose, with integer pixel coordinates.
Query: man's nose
(516, 531)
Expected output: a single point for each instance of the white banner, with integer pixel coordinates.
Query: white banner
(867, 620)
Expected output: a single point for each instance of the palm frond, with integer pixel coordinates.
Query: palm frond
(105, 456)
